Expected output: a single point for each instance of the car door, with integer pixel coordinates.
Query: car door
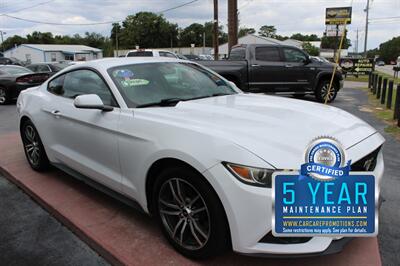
(265, 69)
(296, 69)
(84, 139)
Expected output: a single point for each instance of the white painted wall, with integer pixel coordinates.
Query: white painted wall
(24, 53)
(176, 50)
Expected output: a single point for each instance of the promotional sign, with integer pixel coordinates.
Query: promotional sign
(357, 66)
(334, 30)
(324, 198)
(338, 15)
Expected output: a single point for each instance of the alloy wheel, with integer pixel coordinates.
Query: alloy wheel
(184, 214)
(32, 145)
(2, 96)
(324, 92)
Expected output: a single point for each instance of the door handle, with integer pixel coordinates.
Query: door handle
(56, 113)
(288, 65)
(255, 65)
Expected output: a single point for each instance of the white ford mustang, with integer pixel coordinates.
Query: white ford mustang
(187, 146)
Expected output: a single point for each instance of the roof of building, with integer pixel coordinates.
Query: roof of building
(67, 48)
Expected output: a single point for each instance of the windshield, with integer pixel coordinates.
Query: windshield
(147, 83)
(15, 70)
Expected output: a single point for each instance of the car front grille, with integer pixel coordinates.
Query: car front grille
(367, 163)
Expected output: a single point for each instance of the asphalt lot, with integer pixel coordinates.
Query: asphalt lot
(28, 233)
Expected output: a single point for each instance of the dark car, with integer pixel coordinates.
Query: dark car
(14, 79)
(192, 57)
(47, 67)
(380, 63)
(10, 61)
(278, 69)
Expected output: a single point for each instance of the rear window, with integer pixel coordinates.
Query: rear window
(15, 70)
(267, 54)
(140, 53)
(238, 54)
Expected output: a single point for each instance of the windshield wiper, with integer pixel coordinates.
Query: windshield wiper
(163, 102)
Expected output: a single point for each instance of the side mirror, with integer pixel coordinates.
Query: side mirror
(307, 61)
(91, 101)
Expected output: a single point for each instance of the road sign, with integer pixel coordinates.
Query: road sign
(357, 66)
(338, 15)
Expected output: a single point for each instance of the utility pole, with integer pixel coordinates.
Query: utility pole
(215, 31)
(116, 40)
(366, 29)
(357, 41)
(2, 41)
(232, 24)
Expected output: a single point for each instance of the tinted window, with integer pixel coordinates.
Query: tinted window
(293, 55)
(152, 82)
(238, 54)
(140, 53)
(166, 54)
(81, 82)
(42, 68)
(56, 85)
(267, 54)
(32, 67)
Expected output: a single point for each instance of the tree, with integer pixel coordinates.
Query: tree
(243, 31)
(13, 41)
(267, 31)
(310, 49)
(147, 29)
(305, 38)
(38, 37)
(333, 42)
(192, 34)
(390, 50)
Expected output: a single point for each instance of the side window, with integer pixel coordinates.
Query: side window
(238, 54)
(32, 67)
(86, 82)
(270, 54)
(293, 55)
(42, 68)
(166, 54)
(56, 86)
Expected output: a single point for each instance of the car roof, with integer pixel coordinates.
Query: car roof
(106, 63)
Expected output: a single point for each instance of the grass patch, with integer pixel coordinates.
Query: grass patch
(384, 114)
(363, 78)
(389, 77)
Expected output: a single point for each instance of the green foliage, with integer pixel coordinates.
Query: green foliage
(267, 31)
(333, 42)
(244, 31)
(305, 38)
(310, 49)
(390, 50)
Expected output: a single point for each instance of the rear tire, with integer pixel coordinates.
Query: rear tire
(4, 98)
(33, 147)
(190, 213)
(322, 90)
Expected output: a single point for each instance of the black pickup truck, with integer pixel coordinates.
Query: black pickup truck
(278, 69)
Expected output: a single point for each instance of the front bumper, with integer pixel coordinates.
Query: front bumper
(249, 210)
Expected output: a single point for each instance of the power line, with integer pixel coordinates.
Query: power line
(28, 7)
(90, 23)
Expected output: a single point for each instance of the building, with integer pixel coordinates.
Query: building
(34, 53)
(248, 39)
(198, 50)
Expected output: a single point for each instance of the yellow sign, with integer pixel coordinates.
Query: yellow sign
(338, 15)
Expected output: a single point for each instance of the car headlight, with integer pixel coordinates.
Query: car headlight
(251, 175)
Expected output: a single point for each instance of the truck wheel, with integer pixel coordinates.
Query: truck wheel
(322, 91)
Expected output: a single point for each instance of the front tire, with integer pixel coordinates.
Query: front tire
(33, 147)
(190, 213)
(322, 91)
(4, 98)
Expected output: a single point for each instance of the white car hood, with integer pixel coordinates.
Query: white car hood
(274, 128)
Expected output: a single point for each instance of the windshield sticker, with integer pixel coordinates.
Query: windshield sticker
(134, 82)
(123, 73)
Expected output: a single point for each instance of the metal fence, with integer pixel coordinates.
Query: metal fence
(387, 92)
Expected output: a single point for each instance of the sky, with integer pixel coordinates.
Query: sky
(288, 16)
